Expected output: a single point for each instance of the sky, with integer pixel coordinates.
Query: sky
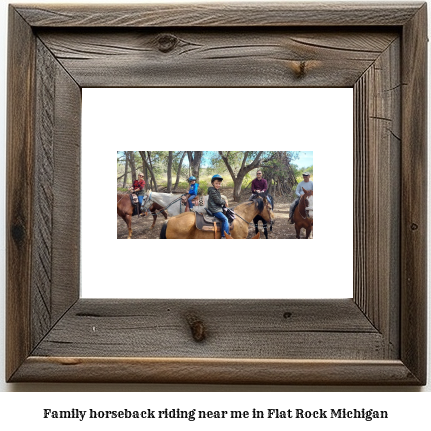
(305, 159)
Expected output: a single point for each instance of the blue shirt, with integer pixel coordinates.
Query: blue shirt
(194, 189)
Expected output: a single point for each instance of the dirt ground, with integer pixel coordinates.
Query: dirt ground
(281, 229)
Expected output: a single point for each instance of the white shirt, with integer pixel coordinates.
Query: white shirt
(307, 186)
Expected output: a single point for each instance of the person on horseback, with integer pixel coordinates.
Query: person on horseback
(216, 204)
(307, 185)
(139, 188)
(258, 185)
(193, 190)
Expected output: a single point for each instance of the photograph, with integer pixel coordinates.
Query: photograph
(215, 194)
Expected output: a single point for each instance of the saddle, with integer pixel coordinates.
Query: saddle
(135, 203)
(210, 223)
(198, 201)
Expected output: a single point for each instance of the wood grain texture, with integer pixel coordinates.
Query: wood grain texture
(377, 99)
(234, 329)
(414, 194)
(19, 200)
(220, 15)
(55, 278)
(216, 58)
(215, 371)
(54, 336)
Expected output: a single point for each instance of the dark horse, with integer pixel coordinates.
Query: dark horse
(259, 218)
(303, 214)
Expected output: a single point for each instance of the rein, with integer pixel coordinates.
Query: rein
(124, 194)
(166, 207)
(251, 222)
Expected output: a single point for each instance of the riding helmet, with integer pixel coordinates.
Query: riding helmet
(191, 179)
(216, 177)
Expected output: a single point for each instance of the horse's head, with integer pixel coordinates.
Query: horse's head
(264, 206)
(308, 202)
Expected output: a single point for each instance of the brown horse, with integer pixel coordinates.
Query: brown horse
(303, 215)
(183, 226)
(125, 210)
(153, 210)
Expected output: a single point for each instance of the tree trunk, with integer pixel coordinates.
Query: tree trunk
(131, 156)
(180, 165)
(126, 168)
(238, 179)
(237, 183)
(148, 165)
(195, 158)
(169, 174)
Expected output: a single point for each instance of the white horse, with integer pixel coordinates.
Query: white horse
(172, 202)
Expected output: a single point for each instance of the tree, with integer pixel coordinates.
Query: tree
(169, 172)
(131, 158)
(195, 158)
(229, 157)
(146, 160)
(280, 172)
(180, 165)
(126, 168)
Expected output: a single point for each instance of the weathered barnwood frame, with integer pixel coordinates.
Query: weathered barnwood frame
(378, 337)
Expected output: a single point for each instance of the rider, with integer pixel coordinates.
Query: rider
(259, 184)
(307, 185)
(193, 191)
(216, 203)
(139, 188)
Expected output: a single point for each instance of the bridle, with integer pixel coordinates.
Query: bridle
(306, 202)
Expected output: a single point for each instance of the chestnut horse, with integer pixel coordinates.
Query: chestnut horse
(154, 208)
(125, 210)
(183, 226)
(303, 215)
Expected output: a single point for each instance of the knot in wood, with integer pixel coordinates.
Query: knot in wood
(287, 314)
(167, 42)
(197, 327)
(18, 233)
(414, 226)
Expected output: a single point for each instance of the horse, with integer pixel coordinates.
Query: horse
(303, 214)
(154, 207)
(183, 226)
(259, 218)
(171, 204)
(125, 210)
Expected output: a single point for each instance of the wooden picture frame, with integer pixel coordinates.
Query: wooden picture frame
(378, 337)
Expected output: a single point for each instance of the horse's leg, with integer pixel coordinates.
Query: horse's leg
(128, 220)
(154, 219)
(308, 231)
(165, 214)
(298, 231)
(265, 229)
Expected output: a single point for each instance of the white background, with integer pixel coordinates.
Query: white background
(209, 119)
(407, 409)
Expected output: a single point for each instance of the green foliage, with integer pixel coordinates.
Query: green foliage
(203, 188)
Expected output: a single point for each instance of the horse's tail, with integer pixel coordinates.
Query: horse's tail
(163, 231)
